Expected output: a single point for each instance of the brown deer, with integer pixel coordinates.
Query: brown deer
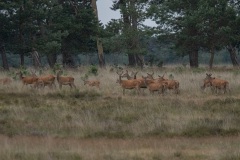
(28, 80)
(65, 80)
(216, 83)
(155, 85)
(141, 80)
(92, 83)
(128, 84)
(171, 84)
(46, 80)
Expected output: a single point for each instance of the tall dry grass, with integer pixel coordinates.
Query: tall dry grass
(91, 114)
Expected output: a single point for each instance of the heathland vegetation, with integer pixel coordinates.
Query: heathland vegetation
(88, 122)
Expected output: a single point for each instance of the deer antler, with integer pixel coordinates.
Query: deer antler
(119, 73)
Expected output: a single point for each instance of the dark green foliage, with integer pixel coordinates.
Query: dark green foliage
(49, 26)
(93, 70)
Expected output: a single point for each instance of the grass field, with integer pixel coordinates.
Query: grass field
(90, 123)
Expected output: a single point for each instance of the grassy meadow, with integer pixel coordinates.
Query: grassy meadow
(87, 123)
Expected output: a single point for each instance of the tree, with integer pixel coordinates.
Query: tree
(99, 41)
(197, 24)
(132, 34)
(216, 16)
(179, 19)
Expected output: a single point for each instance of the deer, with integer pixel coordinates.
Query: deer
(46, 80)
(216, 83)
(155, 85)
(92, 83)
(5, 81)
(128, 84)
(65, 80)
(141, 85)
(171, 84)
(28, 80)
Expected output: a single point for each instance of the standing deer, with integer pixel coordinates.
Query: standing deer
(28, 80)
(65, 80)
(171, 84)
(128, 84)
(155, 85)
(47, 80)
(141, 80)
(216, 83)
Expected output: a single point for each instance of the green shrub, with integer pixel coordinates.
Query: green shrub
(93, 70)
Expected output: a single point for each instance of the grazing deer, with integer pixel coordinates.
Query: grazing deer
(47, 80)
(216, 83)
(128, 84)
(155, 85)
(65, 80)
(5, 81)
(92, 83)
(28, 80)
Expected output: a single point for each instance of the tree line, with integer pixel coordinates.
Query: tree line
(67, 27)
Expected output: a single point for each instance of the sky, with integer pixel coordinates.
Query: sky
(105, 14)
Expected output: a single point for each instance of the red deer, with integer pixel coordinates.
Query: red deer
(28, 80)
(141, 80)
(171, 84)
(155, 85)
(65, 80)
(47, 80)
(216, 83)
(128, 84)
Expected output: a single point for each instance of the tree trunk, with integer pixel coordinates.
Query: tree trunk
(4, 58)
(101, 59)
(52, 59)
(36, 59)
(233, 55)
(211, 58)
(193, 58)
(22, 60)
(131, 60)
(127, 26)
(67, 59)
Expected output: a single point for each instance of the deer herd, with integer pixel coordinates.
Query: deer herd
(126, 81)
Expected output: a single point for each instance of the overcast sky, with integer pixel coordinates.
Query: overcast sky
(105, 14)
